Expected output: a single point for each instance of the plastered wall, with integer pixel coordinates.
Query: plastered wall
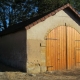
(36, 43)
(13, 50)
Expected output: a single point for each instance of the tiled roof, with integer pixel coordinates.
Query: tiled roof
(53, 13)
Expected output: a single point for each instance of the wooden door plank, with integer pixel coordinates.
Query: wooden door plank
(58, 54)
(56, 50)
(69, 47)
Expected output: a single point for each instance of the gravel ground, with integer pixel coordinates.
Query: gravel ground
(12, 74)
(64, 75)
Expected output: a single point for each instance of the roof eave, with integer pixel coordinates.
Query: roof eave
(51, 14)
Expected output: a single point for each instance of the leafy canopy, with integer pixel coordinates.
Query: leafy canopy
(15, 11)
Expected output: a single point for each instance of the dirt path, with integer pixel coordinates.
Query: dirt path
(65, 75)
(12, 74)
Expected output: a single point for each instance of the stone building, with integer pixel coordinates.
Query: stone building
(44, 43)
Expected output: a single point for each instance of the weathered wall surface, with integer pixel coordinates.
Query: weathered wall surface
(13, 50)
(36, 43)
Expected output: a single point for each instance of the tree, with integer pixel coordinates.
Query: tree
(15, 11)
(48, 5)
(2, 14)
(76, 5)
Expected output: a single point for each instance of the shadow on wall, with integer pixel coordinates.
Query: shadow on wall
(13, 55)
(73, 16)
(4, 67)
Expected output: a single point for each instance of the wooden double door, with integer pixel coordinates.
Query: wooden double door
(63, 49)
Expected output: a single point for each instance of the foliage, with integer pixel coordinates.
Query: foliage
(77, 5)
(48, 5)
(15, 11)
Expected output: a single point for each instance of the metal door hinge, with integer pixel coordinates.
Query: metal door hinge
(50, 39)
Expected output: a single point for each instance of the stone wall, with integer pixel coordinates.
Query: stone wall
(36, 43)
(13, 50)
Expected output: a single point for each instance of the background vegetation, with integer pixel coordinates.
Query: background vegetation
(15, 11)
